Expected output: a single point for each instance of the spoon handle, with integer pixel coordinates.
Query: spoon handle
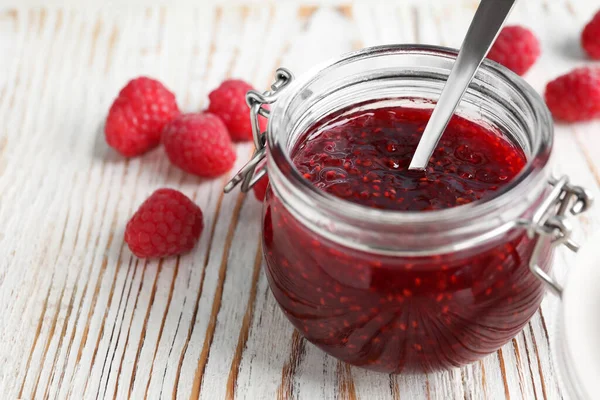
(482, 33)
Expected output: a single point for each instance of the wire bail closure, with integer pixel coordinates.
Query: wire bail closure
(248, 176)
(551, 220)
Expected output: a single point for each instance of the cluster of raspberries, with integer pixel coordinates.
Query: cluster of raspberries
(145, 115)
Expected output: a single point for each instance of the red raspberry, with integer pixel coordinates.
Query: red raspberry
(260, 188)
(198, 143)
(575, 96)
(228, 102)
(516, 48)
(166, 224)
(590, 37)
(138, 115)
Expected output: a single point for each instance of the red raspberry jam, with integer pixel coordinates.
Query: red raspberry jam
(363, 157)
(401, 313)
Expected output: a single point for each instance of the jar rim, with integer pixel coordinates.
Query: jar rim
(529, 179)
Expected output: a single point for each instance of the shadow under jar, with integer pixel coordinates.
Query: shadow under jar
(408, 291)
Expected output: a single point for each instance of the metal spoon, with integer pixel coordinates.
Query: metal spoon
(482, 33)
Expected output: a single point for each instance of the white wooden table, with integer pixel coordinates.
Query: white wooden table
(80, 317)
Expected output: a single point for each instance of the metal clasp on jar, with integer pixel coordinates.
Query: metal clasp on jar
(257, 101)
(550, 220)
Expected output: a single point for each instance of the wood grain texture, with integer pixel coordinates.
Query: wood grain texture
(81, 318)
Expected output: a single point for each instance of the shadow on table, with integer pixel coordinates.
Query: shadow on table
(570, 47)
(155, 162)
(102, 151)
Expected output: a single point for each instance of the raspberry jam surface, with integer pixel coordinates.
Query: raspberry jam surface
(401, 313)
(363, 157)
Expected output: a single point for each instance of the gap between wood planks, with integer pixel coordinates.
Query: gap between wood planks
(216, 301)
(246, 323)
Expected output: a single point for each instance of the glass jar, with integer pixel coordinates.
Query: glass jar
(407, 291)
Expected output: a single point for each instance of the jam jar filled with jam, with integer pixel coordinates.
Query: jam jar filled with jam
(394, 270)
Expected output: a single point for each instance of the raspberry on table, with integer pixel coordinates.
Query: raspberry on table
(198, 143)
(260, 188)
(138, 115)
(228, 102)
(590, 37)
(517, 48)
(575, 96)
(166, 224)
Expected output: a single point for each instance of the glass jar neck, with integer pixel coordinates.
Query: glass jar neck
(395, 75)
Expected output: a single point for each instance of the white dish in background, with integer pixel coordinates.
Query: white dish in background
(577, 344)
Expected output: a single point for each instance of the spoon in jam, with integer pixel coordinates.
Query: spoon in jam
(482, 33)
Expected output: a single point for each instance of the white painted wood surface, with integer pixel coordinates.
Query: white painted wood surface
(80, 317)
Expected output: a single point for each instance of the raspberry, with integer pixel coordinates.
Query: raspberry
(138, 115)
(228, 102)
(575, 96)
(590, 37)
(198, 143)
(516, 48)
(166, 224)
(260, 188)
